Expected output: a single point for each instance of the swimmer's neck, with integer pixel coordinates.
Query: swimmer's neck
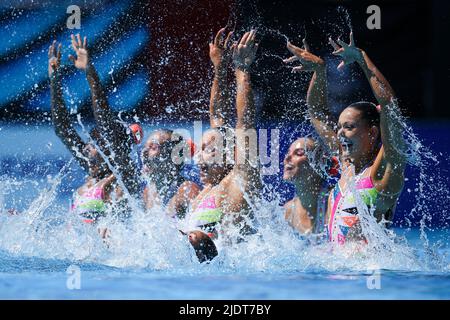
(359, 165)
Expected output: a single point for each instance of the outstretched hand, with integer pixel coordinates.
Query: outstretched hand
(244, 52)
(309, 61)
(220, 50)
(81, 61)
(54, 58)
(348, 52)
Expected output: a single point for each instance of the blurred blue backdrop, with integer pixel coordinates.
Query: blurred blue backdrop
(116, 37)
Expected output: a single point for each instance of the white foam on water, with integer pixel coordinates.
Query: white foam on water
(151, 240)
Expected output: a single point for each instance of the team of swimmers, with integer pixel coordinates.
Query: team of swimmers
(366, 140)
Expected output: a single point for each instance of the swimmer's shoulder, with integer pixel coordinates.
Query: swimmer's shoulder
(234, 183)
(290, 207)
(291, 204)
(189, 190)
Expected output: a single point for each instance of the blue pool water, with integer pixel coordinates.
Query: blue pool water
(36, 248)
(35, 278)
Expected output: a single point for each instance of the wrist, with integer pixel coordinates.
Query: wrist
(54, 76)
(220, 71)
(242, 74)
(360, 57)
(89, 68)
(241, 67)
(320, 67)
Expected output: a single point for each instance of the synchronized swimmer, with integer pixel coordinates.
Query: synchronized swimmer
(366, 138)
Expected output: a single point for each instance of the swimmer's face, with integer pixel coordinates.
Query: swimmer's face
(96, 163)
(357, 138)
(211, 157)
(296, 164)
(154, 154)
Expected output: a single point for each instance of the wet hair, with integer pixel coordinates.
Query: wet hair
(204, 247)
(368, 111)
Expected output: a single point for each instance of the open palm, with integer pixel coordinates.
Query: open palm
(348, 52)
(309, 62)
(81, 60)
(220, 49)
(244, 52)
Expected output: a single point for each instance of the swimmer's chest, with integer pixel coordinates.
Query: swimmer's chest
(219, 195)
(207, 192)
(91, 186)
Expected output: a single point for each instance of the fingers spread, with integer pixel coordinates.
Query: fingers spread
(293, 49)
(228, 39)
(256, 46)
(74, 43)
(338, 52)
(51, 51)
(306, 45)
(244, 38)
(252, 36)
(352, 40)
(334, 44)
(291, 59)
(85, 42)
(219, 37)
(297, 69)
(58, 52)
(233, 47)
(342, 43)
(79, 40)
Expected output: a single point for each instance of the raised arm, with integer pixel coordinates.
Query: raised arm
(244, 54)
(105, 119)
(391, 132)
(316, 98)
(220, 105)
(119, 142)
(390, 163)
(243, 183)
(60, 116)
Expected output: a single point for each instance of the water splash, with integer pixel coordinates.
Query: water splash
(134, 203)
(343, 13)
(150, 240)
